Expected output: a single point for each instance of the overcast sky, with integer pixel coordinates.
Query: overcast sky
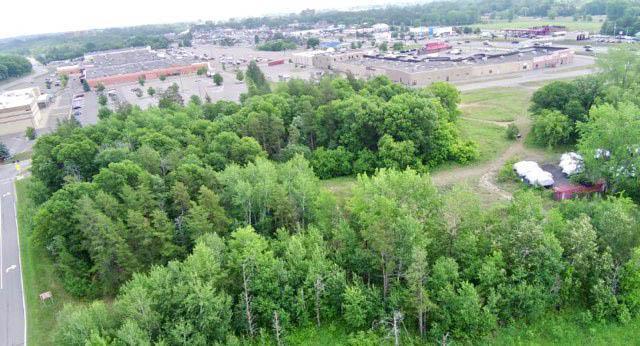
(20, 17)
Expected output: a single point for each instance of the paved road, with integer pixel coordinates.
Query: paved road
(12, 304)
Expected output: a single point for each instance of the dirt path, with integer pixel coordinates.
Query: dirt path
(486, 172)
(493, 122)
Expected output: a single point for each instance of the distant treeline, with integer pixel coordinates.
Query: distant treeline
(47, 48)
(622, 16)
(463, 12)
(13, 66)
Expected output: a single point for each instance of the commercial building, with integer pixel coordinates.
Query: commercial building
(19, 110)
(130, 64)
(304, 58)
(546, 30)
(432, 31)
(413, 69)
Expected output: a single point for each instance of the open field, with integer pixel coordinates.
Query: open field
(565, 329)
(38, 275)
(496, 104)
(527, 22)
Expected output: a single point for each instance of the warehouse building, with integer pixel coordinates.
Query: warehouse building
(130, 65)
(19, 110)
(420, 70)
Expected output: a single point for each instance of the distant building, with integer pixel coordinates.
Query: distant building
(412, 69)
(434, 47)
(382, 36)
(19, 110)
(304, 58)
(432, 31)
(546, 30)
(381, 27)
(127, 65)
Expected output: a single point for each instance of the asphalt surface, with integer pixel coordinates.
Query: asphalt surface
(12, 304)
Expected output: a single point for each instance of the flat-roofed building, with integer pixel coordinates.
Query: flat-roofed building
(19, 110)
(419, 70)
(129, 65)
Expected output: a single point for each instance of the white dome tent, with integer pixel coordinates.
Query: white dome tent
(532, 174)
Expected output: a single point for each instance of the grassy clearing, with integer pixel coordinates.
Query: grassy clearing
(495, 104)
(565, 329)
(340, 187)
(39, 276)
(25, 155)
(491, 138)
(527, 22)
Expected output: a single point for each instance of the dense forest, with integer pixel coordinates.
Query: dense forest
(13, 66)
(51, 47)
(208, 224)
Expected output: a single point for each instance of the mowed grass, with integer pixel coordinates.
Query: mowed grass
(495, 104)
(528, 22)
(38, 275)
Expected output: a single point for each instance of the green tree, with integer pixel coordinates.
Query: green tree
(609, 148)
(151, 91)
(102, 100)
(313, 42)
(30, 133)
(239, 75)
(393, 210)
(4, 152)
(256, 80)
(217, 79)
(552, 128)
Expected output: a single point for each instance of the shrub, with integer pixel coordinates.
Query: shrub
(329, 163)
(31, 133)
(552, 128)
(506, 173)
(512, 132)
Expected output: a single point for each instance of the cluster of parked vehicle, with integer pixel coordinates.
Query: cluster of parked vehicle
(77, 103)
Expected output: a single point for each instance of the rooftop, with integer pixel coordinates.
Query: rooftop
(131, 61)
(412, 62)
(18, 98)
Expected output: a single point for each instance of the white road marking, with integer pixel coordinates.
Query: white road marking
(10, 268)
(7, 194)
(24, 304)
(1, 244)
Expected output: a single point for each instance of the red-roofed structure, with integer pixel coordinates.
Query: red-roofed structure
(572, 190)
(434, 47)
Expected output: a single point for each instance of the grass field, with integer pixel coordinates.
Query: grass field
(565, 329)
(495, 104)
(527, 22)
(490, 138)
(552, 329)
(38, 275)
